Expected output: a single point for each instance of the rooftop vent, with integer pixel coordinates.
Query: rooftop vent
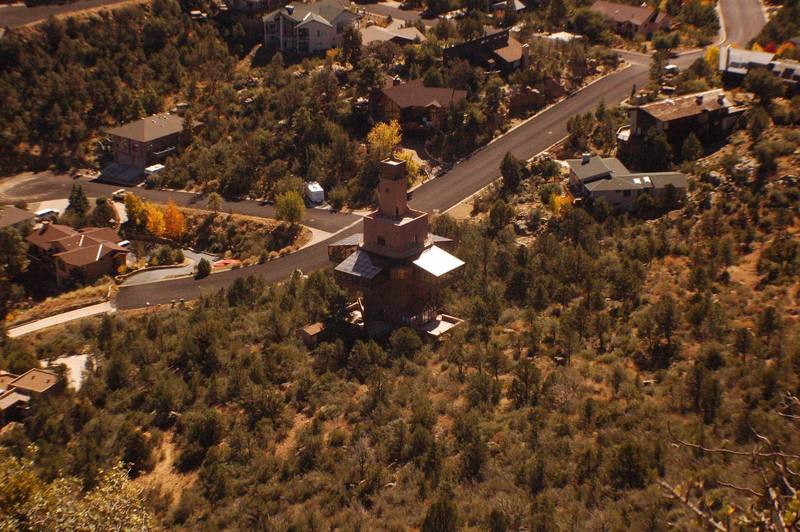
(721, 99)
(290, 9)
(585, 157)
(699, 99)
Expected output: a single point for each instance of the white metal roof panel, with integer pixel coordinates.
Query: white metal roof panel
(437, 261)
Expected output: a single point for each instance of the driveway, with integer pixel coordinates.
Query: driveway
(152, 276)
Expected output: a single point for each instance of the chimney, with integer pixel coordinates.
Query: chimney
(395, 81)
(699, 99)
(526, 55)
(290, 9)
(721, 99)
(585, 157)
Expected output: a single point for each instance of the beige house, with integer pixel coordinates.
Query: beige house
(308, 28)
(16, 391)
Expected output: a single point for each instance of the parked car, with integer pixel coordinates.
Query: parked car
(47, 214)
(119, 195)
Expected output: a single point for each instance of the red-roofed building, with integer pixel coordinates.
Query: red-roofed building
(415, 105)
(84, 255)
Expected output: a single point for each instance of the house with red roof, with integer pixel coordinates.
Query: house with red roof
(86, 254)
(416, 106)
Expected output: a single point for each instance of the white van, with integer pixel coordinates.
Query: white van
(315, 192)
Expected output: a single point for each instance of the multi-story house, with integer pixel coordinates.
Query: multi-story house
(396, 263)
(308, 28)
(84, 255)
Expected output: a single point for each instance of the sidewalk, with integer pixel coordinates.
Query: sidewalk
(58, 319)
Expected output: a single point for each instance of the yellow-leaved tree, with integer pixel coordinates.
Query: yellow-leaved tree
(136, 209)
(712, 56)
(155, 220)
(174, 221)
(383, 138)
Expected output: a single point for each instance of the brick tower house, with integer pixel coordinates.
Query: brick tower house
(396, 263)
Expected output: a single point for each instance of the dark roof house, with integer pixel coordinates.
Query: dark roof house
(597, 177)
(416, 94)
(495, 49)
(149, 128)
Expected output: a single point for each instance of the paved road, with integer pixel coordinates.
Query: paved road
(13, 16)
(463, 180)
(47, 185)
(743, 20)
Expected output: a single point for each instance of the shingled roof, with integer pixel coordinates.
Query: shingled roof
(623, 12)
(77, 248)
(10, 215)
(416, 94)
(149, 128)
(328, 10)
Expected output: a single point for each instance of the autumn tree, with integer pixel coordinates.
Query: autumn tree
(155, 220)
(174, 222)
(136, 210)
(383, 138)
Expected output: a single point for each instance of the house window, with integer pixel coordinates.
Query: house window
(626, 193)
(319, 33)
(381, 241)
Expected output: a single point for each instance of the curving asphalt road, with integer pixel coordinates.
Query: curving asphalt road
(742, 19)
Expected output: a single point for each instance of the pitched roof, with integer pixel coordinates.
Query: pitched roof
(149, 128)
(437, 261)
(328, 10)
(10, 215)
(362, 264)
(375, 34)
(623, 12)
(49, 233)
(511, 52)
(313, 17)
(35, 380)
(688, 105)
(416, 94)
(77, 248)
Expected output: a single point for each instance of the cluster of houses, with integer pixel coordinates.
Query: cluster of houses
(16, 392)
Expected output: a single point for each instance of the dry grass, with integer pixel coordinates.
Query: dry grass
(164, 478)
(65, 302)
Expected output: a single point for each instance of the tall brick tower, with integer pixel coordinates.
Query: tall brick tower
(396, 263)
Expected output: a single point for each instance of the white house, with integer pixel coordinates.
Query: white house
(308, 28)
